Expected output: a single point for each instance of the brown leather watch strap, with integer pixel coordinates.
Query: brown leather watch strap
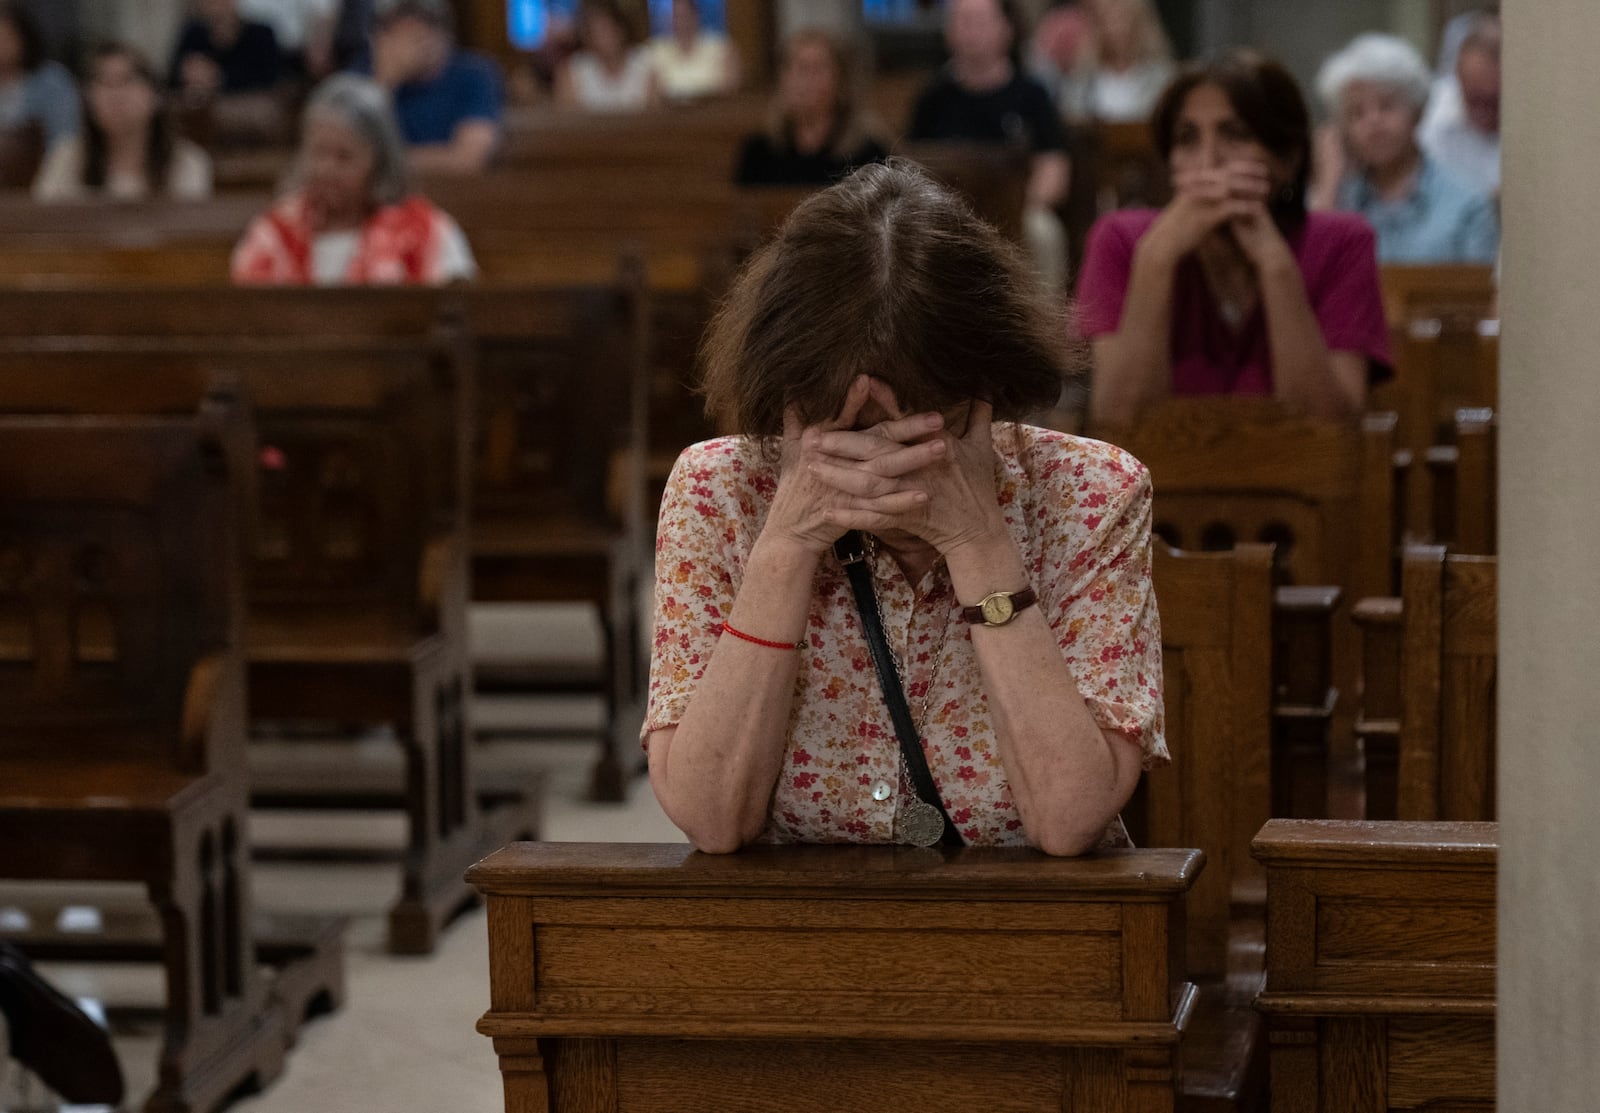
(1020, 601)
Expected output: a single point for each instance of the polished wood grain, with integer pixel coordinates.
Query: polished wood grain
(655, 978)
(1380, 965)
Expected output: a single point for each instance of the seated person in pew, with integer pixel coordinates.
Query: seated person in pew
(820, 128)
(34, 89)
(878, 358)
(352, 219)
(1118, 72)
(692, 63)
(611, 71)
(1233, 288)
(984, 96)
(127, 151)
(449, 101)
(1369, 161)
(219, 51)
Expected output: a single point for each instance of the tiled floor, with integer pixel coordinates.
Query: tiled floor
(404, 1041)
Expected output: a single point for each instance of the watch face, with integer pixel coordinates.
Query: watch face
(997, 609)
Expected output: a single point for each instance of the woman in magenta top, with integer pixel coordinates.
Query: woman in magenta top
(1233, 288)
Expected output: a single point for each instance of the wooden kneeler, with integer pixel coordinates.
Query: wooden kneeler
(654, 978)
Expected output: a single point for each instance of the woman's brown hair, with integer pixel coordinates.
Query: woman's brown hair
(1269, 103)
(891, 275)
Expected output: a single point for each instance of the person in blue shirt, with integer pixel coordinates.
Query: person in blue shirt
(33, 89)
(448, 101)
(1370, 162)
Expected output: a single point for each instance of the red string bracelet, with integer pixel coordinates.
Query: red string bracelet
(742, 636)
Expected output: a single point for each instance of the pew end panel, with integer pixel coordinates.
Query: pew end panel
(811, 978)
(1380, 989)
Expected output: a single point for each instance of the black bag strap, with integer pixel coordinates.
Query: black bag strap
(851, 549)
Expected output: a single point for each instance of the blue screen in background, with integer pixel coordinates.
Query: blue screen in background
(892, 11)
(528, 22)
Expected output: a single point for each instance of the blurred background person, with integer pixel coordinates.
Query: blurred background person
(304, 30)
(612, 71)
(351, 218)
(127, 151)
(1370, 162)
(1233, 288)
(820, 127)
(34, 89)
(1121, 68)
(692, 62)
(1461, 128)
(448, 101)
(983, 96)
(219, 51)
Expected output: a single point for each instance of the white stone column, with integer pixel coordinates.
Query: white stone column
(1549, 678)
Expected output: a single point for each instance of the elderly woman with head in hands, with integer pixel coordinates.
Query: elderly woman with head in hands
(888, 611)
(352, 219)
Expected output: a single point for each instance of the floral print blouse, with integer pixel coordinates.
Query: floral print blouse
(1079, 511)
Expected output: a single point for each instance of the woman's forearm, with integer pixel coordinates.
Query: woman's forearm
(1302, 367)
(715, 772)
(1068, 777)
(1133, 366)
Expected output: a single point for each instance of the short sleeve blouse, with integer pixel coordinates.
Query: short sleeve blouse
(1337, 253)
(1079, 511)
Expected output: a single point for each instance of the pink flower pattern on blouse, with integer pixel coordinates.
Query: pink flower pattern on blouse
(1079, 511)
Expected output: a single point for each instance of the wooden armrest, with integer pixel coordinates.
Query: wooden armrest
(1377, 611)
(200, 699)
(1307, 599)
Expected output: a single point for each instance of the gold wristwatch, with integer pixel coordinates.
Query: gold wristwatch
(999, 607)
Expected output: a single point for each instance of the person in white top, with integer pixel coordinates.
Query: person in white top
(127, 151)
(693, 62)
(1461, 130)
(1118, 71)
(611, 73)
(352, 219)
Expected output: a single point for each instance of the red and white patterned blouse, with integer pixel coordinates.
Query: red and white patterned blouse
(1079, 511)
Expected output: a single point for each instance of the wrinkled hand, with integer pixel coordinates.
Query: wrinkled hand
(812, 512)
(960, 504)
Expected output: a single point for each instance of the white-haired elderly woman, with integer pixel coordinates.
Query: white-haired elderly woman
(351, 218)
(1370, 162)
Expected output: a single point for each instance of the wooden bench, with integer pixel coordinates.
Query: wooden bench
(1428, 692)
(1230, 470)
(654, 978)
(1380, 988)
(1465, 481)
(358, 578)
(122, 724)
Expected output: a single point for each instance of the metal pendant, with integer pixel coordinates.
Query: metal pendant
(917, 822)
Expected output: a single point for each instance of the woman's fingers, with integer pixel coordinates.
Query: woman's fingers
(850, 409)
(880, 440)
(876, 477)
(883, 394)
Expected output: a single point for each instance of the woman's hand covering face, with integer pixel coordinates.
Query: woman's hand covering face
(950, 478)
(812, 512)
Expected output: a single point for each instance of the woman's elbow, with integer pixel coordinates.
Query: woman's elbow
(1067, 844)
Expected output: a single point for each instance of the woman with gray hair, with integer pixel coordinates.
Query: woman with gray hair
(351, 218)
(1370, 161)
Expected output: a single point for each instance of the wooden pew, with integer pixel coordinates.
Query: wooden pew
(1465, 479)
(358, 579)
(1380, 965)
(1216, 648)
(822, 978)
(122, 718)
(1228, 470)
(1428, 710)
(565, 385)
(1458, 295)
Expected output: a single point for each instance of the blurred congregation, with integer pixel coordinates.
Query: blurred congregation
(347, 348)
